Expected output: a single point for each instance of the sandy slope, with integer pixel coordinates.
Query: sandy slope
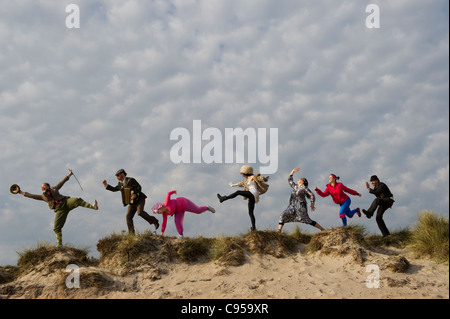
(298, 276)
(339, 269)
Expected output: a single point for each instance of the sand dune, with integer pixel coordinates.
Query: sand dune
(341, 265)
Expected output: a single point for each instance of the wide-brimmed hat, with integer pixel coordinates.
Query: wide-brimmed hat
(246, 170)
(14, 189)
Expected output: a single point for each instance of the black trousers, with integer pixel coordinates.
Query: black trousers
(380, 205)
(139, 208)
(251, 204)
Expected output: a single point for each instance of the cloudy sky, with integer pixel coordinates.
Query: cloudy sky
(345, 99)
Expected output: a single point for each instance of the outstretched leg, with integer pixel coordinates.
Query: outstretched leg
(193, 208)
(73, 203)
(142, 213)
(235, 194)
(251, 204)
(317, 225)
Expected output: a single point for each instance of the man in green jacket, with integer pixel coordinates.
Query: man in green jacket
(60, 204)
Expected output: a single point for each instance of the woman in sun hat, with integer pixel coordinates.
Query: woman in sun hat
(177, 207)
(254, 186)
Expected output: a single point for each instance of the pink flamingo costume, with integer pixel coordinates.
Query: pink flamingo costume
(178, 207)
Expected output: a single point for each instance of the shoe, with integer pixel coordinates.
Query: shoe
(365, 212)
(95, 205)
(358, 211)
(212, 210)
(221, 198)
(180, 237)
(156, 225)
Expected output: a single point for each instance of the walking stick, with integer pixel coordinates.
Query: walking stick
(76, 179)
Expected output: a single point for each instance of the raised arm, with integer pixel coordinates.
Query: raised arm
(291, 182)
(166, 202)
(63, 181)
(291, 178)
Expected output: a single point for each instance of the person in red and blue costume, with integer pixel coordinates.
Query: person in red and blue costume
(337, 192)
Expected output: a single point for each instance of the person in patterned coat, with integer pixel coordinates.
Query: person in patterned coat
(297, 211)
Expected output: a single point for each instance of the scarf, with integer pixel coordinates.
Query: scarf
(48, 195)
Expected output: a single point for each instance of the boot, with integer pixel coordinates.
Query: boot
(221, 198)
(368, 214)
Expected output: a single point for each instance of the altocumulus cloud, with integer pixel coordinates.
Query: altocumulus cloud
(345, 99)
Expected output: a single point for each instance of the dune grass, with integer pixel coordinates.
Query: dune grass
(430, 236)
(226, 250)
(33, 256)
(29, 257)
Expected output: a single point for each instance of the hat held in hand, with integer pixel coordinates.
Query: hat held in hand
(14, 189)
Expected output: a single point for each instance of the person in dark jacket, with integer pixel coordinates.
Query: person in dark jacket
(383, 201)
(133, 197)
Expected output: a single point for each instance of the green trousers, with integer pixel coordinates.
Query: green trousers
(62, 211)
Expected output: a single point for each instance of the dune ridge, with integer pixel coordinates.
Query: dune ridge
(334, 264)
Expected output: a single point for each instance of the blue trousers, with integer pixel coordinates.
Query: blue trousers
(345, 211)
